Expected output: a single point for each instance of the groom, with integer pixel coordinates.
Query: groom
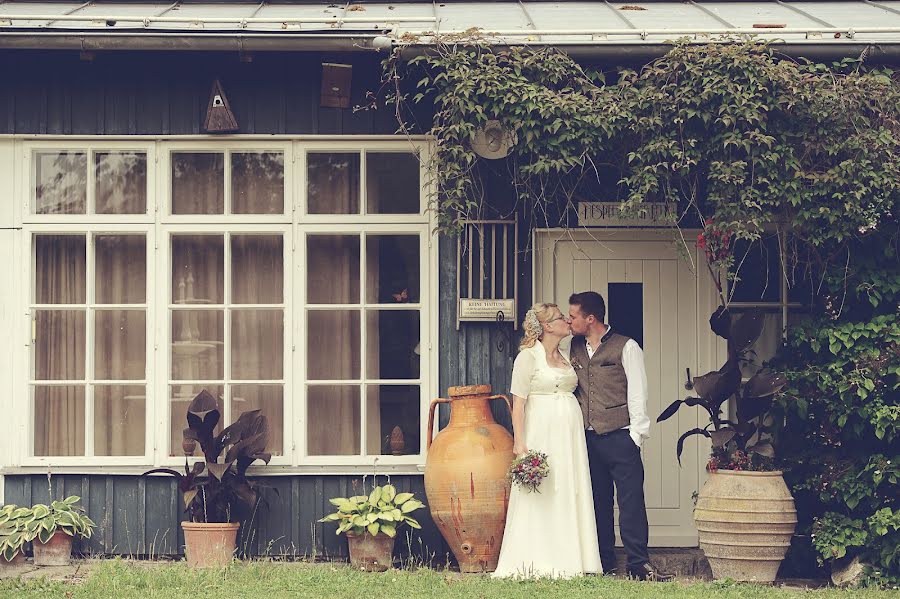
(612, 391)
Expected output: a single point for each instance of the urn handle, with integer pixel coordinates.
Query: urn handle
(506, 399)
(434, 403)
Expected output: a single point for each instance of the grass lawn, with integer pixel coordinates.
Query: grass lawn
(118, 579)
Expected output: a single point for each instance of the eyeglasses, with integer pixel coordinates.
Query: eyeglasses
(560, 317)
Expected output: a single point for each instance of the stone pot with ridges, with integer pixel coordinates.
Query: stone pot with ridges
(745, 521)
(465, 477)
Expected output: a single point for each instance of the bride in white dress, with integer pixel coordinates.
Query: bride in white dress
(552, 532)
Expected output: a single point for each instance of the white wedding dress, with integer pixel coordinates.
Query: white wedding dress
(551, 533)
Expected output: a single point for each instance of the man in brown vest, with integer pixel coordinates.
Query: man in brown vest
(612, 391)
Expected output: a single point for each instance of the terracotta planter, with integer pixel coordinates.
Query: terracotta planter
(209, 545)
(373, 554)
(55, 552)
(745, 521)
(17, 562)
(465, 478)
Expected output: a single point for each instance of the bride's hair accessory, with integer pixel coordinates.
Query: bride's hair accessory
(532, 325)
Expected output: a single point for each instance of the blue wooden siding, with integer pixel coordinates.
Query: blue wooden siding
(162, 93)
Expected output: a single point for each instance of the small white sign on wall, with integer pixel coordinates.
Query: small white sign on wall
(607, 214)
(486, 309)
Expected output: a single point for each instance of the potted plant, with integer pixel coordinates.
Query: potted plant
(745, 514)
(50, 529)
(12, 536)
(218, 496)
(371, 523)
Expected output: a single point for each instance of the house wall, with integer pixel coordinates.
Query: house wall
(56, 93)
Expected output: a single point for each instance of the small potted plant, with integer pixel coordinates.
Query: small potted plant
(218, 496)
(12, 536)
(51, 529)
(371, 522)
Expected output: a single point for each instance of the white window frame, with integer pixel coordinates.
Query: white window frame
(158, 224)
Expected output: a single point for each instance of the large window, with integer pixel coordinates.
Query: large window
(288, 277)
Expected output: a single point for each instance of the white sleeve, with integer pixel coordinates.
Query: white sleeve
(636, 375)
(523, 369)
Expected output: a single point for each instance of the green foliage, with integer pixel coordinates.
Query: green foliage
(381, 511)
(20, 525)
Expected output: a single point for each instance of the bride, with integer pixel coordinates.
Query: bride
(550, 532)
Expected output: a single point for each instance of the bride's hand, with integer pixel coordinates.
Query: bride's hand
(519, 448)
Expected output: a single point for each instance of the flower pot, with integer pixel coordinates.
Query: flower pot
(745, 521)
(465, 478)
(373, 554)
(17, 562)
(55, 552)
(209, 545)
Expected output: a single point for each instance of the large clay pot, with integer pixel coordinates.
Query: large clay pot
(55, 552)
(465, 477)
(745, 521)
(373, 554)
(17, 562)
(209, 545)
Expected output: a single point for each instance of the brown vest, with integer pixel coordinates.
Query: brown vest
(602, 387)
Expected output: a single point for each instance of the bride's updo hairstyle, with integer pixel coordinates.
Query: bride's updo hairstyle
(533, 325)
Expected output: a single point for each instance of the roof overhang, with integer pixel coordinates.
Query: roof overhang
(584, 29)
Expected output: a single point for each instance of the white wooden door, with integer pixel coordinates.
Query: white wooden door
(669, 306)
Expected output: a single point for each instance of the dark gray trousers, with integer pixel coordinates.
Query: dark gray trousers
(616, 461)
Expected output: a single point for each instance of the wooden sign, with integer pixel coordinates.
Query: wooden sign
(486, 309)
(336, 85)
(607, 214)
(219, 118)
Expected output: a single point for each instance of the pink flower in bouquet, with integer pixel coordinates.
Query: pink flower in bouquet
(529, 470)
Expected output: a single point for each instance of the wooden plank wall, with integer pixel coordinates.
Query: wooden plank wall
(162, 93)
(139, 516)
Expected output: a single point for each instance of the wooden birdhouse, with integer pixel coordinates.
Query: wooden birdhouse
(336, 84)
(219, 118)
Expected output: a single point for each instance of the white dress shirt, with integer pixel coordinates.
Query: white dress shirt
(636, 376)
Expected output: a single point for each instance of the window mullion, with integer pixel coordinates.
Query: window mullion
(226, 334)
(90, 340)
(363, 346)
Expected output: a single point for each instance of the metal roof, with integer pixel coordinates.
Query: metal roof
(844, 25)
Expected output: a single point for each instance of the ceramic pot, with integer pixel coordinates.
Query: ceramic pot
(373, 554)
(209, 545)
(55, 552)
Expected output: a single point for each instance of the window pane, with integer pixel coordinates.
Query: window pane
(198, 269)
(180, 397)
(626, 310)
(59, 345)
(198, 340)
(198, 183)
(758, 268)
(269, 399)
(59, 421)
(121, 269)
(120, 347)
(257, 344)
(121, 182)
(333, 420)
(392, 339)
(120, 415)
(333, 345)
(766, 346)
(257, 182)
(59, 267)
(393, 414)
(392, 269)
(333, 183)
(257, 269)
(60, 182)
(392, 183)
(332, 264)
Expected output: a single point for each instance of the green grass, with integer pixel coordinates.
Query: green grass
(118, 579)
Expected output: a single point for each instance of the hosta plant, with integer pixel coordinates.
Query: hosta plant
(20, 525)
(381, 511)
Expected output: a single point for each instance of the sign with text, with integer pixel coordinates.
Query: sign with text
(486, 309)
(607, 214)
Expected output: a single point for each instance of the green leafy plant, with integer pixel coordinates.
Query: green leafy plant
(20, 525)
(381, 511)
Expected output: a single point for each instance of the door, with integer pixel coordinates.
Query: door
(653, 294)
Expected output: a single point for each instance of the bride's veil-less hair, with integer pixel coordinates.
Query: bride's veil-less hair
(533, 323)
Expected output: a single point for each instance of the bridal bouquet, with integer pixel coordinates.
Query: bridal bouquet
(529, 469)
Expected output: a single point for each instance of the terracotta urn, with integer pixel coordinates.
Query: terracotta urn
(209, 545)
(745, 521)
(465, 477)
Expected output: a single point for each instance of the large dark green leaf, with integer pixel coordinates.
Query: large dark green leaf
(716, 387)
(721, 437)
(764, 384)
(680, 445)
(720, 322)
(673, 407)
(745, 331)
